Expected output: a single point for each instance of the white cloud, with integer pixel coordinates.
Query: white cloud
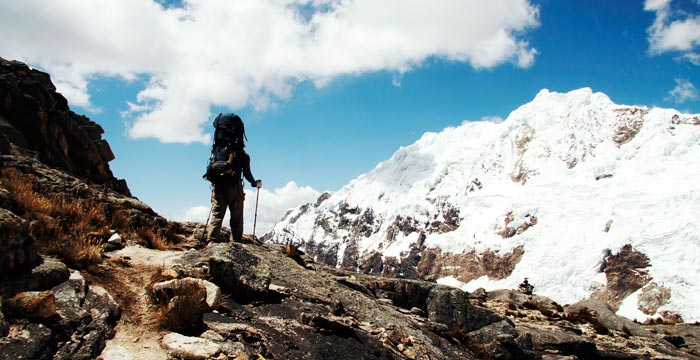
(249, 52)
(272, 205)
(195, 213)
(674, 30)
(683, 92)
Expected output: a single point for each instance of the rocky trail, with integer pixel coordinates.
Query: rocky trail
(126, 276)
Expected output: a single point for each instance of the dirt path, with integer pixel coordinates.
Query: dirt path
(125, 275)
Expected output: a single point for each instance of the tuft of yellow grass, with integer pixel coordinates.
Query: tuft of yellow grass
(153, 239)
(75, 230)
(183, 312)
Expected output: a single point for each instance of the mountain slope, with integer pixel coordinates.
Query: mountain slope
(582, 196)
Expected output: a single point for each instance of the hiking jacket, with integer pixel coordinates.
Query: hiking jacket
(245, 163)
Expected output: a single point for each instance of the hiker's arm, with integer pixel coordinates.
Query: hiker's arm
(246, 171)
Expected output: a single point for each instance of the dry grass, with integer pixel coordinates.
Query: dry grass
(153, 239)
(72, 229)
(183, 312)
(35, 305)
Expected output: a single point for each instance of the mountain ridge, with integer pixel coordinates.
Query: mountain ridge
(88, 271)
(572, 172)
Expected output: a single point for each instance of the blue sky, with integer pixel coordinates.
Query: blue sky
(330, 88)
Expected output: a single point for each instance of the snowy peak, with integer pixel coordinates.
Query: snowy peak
(553, 193)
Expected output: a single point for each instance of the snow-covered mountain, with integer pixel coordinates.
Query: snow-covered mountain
(584, 197)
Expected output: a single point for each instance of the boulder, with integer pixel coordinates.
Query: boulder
(451, 307)
(171, 288)
(88, 314)
(49, 273)
(227, 329)
(500, 340)
(115, 242)
(603, 313)
(34, 341)
(4, 327)
(17, 250)
(89, 338)
(235, 269)
(561, 342)
(70, 296)
(442, 304)
(187, 347)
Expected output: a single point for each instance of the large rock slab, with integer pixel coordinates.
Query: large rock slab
(235, 269)
(442, 304)
(90, 321)
(188, 347)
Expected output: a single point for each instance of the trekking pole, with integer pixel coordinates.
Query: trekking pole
(204, 233)
(255, 220)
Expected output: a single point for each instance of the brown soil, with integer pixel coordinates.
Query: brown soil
(126, 276)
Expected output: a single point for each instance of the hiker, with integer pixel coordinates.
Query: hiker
(228, 164)
(525, 287)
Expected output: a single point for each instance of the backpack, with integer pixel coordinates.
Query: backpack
(227, 149)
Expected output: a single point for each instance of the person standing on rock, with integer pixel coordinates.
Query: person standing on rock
(228, 164)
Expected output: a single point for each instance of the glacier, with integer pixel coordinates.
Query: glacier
(567, 179)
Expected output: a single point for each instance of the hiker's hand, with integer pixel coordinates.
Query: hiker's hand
(258, 184)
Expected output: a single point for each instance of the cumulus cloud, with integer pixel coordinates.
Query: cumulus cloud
(683, 92)
(272, 205)
(208, 53)
(675, 29)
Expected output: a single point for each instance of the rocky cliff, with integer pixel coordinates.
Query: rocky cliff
(35, 117)
(87, 272)
(61, 209)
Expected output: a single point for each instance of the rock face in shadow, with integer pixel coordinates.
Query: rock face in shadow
(34, 116)
(17, 250)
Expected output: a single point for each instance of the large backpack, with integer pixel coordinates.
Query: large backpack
(227, 150)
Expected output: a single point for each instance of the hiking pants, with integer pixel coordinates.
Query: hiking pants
(226, 193)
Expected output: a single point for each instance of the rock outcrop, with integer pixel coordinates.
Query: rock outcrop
(54, 315)
(34, 116)
(17, 250)
(59, 207)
